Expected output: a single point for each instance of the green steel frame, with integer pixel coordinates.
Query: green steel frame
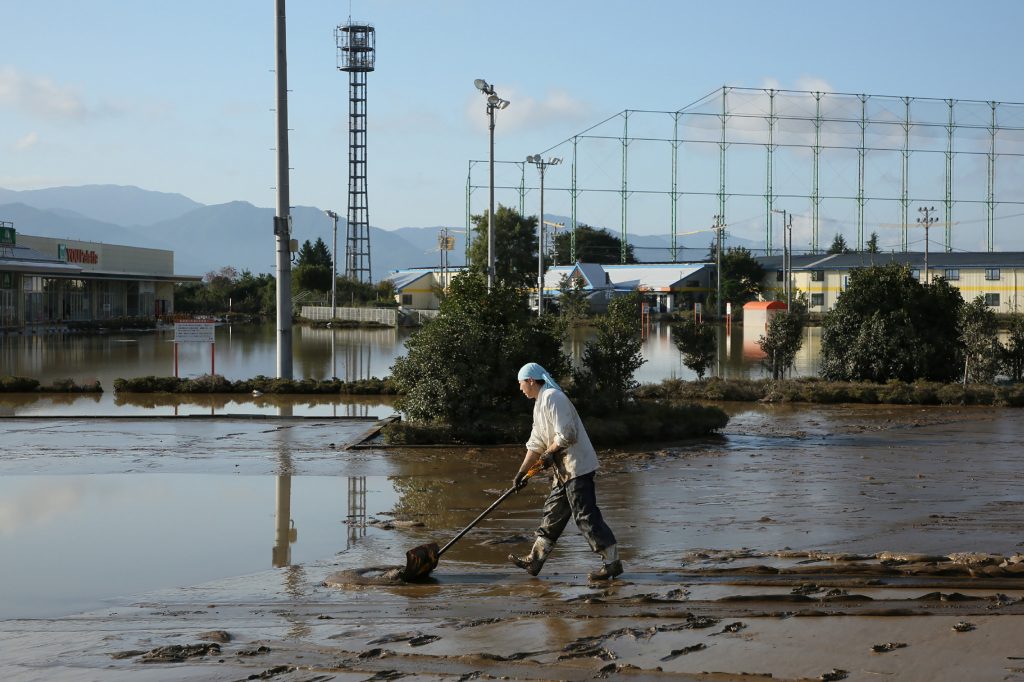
(830, 112)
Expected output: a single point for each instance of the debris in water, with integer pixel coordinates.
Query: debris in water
(676, 653)
(889, 646)
(963, 626)
(834, 674)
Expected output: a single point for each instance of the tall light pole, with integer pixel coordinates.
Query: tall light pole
(926, 220)
(541, 165)
(334, 266)
(493, 102)
(787, 254)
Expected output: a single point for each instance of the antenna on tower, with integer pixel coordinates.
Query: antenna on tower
(356, 54)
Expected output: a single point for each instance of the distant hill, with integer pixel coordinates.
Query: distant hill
(70, 225)
(206, 238)
(116, 204)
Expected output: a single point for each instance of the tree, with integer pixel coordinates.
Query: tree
(572, 300)
(593, 245)
(515, 240)
(783, 339)
(838, 245)
(979, 335)
(698, 344)
(742, 276)
(311, 277)
(605, 381)
(461, 366)
(1013, 352)
(886, 325)
(872, 244)
(314, 254)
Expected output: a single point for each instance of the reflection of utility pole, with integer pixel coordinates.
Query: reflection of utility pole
(718, 227)
(356, 509)
(285, 532)
(926, 220)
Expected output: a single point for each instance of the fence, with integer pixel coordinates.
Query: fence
(385, 316)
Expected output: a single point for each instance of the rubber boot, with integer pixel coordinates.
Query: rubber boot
(534, 561)
(612, 566)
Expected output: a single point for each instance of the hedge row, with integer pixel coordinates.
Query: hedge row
(814, 390)
(9, 384)
(218, 384)
(644, 421)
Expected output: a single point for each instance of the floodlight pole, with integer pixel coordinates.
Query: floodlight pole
(334, 266)
(787, 254)
(718, 227)
(493, 102)
(541, 164)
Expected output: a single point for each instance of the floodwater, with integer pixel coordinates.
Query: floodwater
(245, 351)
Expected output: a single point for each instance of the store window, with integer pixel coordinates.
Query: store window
(817, 300)
(992, 300)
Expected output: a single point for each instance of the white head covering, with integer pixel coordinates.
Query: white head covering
(532, 370)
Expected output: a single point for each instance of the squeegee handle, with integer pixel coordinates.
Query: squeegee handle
(494, 505)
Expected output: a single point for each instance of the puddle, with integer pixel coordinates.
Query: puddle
(76, 543)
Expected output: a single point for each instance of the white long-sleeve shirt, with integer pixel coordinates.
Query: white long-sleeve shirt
(555, 420)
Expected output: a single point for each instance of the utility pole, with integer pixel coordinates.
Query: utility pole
(926, 220)
(718, 227)
(283, 219)
(787, 255)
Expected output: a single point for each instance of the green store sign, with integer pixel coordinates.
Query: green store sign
(7, 236)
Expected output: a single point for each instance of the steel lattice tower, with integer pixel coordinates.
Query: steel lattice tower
(356, 56)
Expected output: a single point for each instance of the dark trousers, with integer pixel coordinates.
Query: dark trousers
(576, 498)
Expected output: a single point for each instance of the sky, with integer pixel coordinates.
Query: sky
(178, 96)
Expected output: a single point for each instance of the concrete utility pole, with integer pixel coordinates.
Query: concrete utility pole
(926, 220)
(283, 220)
(334, 266)
(787, 255)
(718, 227)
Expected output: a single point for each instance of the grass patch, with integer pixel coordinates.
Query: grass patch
(815, 390)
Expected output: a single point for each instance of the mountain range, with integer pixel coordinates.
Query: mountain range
(205, 238)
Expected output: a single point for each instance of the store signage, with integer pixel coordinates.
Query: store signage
(6, 280)
(7, 236)
(77, 255)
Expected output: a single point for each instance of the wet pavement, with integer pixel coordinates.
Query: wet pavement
(807, 542)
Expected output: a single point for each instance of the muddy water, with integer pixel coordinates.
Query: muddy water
(245, 351)
(179, 501)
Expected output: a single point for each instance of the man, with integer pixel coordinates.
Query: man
(558, 437)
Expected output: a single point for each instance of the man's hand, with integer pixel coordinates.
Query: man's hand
(519, 482)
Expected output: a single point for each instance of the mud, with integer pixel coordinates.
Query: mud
(804, 544)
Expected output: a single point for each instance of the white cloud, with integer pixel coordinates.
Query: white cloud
(557, 106)
(39, 95)
(27, 142)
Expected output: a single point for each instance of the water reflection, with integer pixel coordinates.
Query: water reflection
(245, 351)
(356, 518)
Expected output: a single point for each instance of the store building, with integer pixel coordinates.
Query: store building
(47, 282)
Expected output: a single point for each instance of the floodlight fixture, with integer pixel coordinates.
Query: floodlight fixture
(483, 86)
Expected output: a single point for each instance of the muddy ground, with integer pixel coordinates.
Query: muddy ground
(825, 542)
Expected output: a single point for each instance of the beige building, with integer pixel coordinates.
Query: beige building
(46, 282)
(997, 276)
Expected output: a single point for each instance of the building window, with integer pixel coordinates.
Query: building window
(846, 282)
(991, 273)
(778, 275)
(992, 300)
(817, 300)
(952, 274)
(915, 274)
(817, 275)
(406, 299)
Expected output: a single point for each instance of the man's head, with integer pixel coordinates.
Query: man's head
(532, 378)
